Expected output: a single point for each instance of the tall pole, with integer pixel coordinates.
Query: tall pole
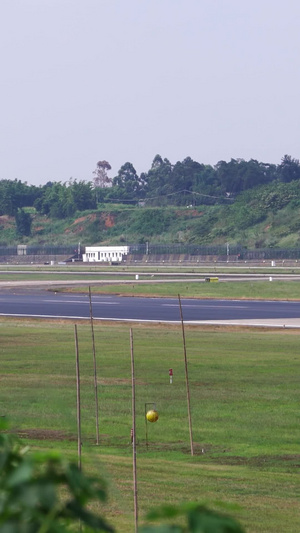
(135, 490)
(186, 378)
(78, 398)
(95, 369)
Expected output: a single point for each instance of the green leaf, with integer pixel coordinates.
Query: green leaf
(21, 474)
(203, 520)
(199, 518)
(88, 518)
(160, 529)
(165, 512)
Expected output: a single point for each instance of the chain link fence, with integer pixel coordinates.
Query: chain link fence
(161, 249)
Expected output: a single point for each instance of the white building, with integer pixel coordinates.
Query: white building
(105, 253)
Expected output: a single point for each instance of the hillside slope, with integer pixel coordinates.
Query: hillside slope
(267, 216)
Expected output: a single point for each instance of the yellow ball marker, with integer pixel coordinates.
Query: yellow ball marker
(152, 415)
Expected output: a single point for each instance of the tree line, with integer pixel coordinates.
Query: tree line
(186, 182)
(191, 182)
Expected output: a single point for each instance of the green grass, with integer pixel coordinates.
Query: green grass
(275, 290)
(202, 225)
(61, 276)
(245, 407)
(205, 268)
(160, 283)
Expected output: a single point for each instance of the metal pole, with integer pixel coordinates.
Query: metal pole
(95, 369)
(135, 489)
(78, 399)
(186, 379)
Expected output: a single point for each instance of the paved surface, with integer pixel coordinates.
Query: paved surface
(262, 323)
(40, 303)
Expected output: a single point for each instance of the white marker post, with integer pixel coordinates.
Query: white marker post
(171, 375)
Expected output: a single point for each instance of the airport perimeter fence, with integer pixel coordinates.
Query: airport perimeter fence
(238, 252)
(69, 250)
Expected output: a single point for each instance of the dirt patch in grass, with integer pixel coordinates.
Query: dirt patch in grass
(261, 460)
(119, 381)
(178, 446)
(78, 224)
(6, 220)
(108, 219)
(45, 434)
(28, 380)
(79, 220)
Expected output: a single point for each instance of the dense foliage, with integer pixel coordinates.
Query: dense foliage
(23, 223)
(190, 182)
(30, 492)
(186, 182)
(14, 195)
(223, 201)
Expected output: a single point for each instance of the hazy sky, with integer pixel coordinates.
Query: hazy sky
(124, 80)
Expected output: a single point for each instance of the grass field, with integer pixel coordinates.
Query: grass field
(160, 283)
(257, 290)
(203, 268)
(245, 407)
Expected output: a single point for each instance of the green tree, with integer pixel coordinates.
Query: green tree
(62, 200)
(289, 169)
(194, 183)
(183, 178)
(239, 175)
(206, 186)
(57, 201)
(14, 194)
(159, 181)
(127, 184)
(83, 195)
(23, 223)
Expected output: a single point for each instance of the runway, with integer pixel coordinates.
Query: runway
(51, 305)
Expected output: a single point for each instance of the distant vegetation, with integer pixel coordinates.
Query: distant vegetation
(247, 203)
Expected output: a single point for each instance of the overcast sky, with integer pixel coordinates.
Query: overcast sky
(124, 80)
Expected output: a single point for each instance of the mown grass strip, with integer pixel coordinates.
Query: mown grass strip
(256, 290)
(245, 407)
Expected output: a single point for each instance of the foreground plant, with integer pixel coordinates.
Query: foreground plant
(197, 518)
(44, 493)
